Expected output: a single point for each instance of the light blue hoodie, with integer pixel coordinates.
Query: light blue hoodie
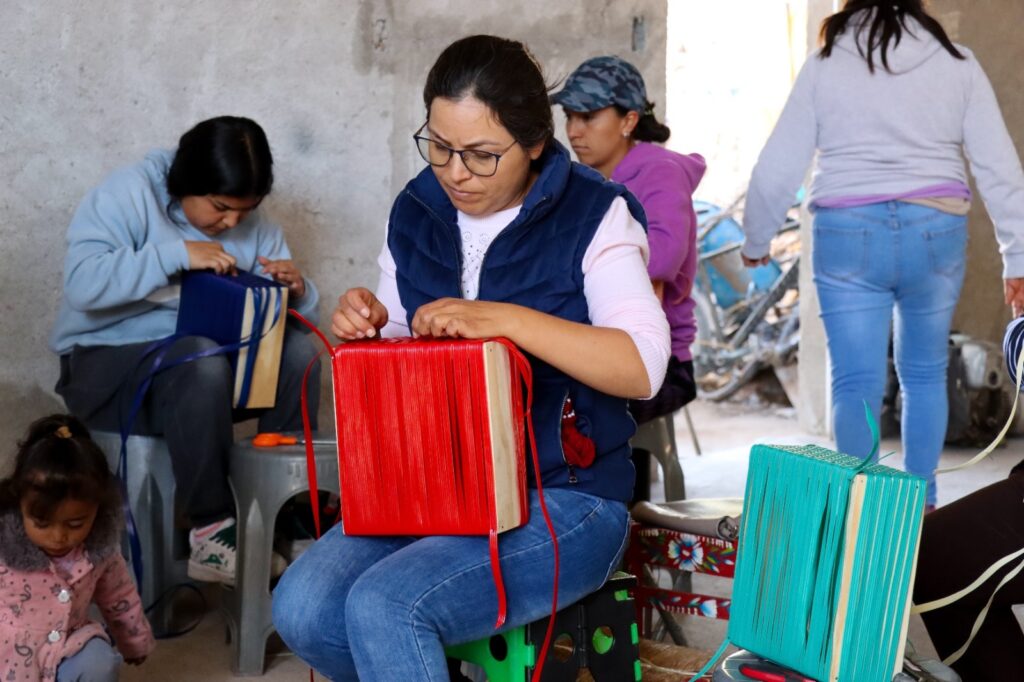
(889, 132)
(126, 252)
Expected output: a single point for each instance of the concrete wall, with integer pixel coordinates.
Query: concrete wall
(337, 86)
(991, 29)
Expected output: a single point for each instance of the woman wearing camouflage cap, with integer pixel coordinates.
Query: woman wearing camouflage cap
(612, 128)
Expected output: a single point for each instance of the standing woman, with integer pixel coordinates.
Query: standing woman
(501, 235)
(612, 128)
(890, 104)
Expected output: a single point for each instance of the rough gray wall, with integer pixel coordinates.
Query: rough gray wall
(87, 87)
(814, 409)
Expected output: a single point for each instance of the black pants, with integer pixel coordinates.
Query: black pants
(189, 405)
(678, 390)
(958, 543)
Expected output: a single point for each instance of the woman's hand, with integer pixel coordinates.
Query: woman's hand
(210, 256)
(457, 317)
(284, 272)
(358, 316)
(1013, 294)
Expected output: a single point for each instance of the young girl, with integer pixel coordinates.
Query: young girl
(59, 553)
(501, 235)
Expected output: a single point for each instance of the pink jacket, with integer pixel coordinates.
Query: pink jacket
(44, 618)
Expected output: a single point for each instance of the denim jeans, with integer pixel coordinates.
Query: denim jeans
(97, 661)
(877, 265)
(384, 608)
(189, 405)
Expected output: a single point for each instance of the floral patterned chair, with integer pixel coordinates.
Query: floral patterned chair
(686, 536)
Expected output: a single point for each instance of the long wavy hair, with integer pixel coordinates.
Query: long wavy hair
(885, 28)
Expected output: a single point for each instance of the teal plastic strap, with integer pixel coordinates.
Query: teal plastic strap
(711, 663)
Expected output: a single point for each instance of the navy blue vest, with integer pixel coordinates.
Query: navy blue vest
(536, 261)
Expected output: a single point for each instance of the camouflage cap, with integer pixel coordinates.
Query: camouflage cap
(602, 82)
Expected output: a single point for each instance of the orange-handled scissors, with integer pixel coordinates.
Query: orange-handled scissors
(270, 440)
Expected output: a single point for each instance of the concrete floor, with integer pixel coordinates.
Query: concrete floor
(726, 432)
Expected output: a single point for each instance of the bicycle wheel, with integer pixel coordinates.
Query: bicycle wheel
(718, 386)
(719, 370)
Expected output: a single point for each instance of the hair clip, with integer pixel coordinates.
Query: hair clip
(63, 432)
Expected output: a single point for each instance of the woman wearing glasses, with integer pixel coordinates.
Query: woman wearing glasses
(502, 235)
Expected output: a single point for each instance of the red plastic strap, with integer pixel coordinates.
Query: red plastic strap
(307, 431)
(525, 371)
(499, 583)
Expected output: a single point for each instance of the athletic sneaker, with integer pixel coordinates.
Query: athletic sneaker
(215, 552)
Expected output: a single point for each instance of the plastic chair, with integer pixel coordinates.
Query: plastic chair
(597, 633)
(658, 437)
(150, 482)
(263, 480)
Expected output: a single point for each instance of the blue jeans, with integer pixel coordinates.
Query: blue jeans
(384, 608)
(97, 661)
(868, 262)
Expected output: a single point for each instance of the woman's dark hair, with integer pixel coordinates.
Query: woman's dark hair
(502, 74)
(226, 155)
(56, 461)
(648, 128)
(886, 27)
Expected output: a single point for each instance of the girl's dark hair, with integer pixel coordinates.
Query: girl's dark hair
(648, 127)
(886, 27)
(502, 74)
(58, 460)
(226, 155)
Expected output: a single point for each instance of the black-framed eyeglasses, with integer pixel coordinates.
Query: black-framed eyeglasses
(478, 162)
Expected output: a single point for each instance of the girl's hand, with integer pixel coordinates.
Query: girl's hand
(457, 317)
(135, 661)
(210, 256)
(1013, 294)
(358, 316)
(284, 272)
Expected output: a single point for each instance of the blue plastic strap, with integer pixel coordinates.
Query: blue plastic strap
(161, 347)
(261, 302)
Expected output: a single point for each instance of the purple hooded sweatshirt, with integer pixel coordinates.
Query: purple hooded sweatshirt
(664, 182)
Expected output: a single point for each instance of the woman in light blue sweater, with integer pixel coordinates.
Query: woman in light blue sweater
(193, 208)
(890, 104)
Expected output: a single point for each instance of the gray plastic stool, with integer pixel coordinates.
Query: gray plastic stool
(658, 437)
(151, 499)
(263, 480)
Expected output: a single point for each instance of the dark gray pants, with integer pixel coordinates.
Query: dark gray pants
(189, 405)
